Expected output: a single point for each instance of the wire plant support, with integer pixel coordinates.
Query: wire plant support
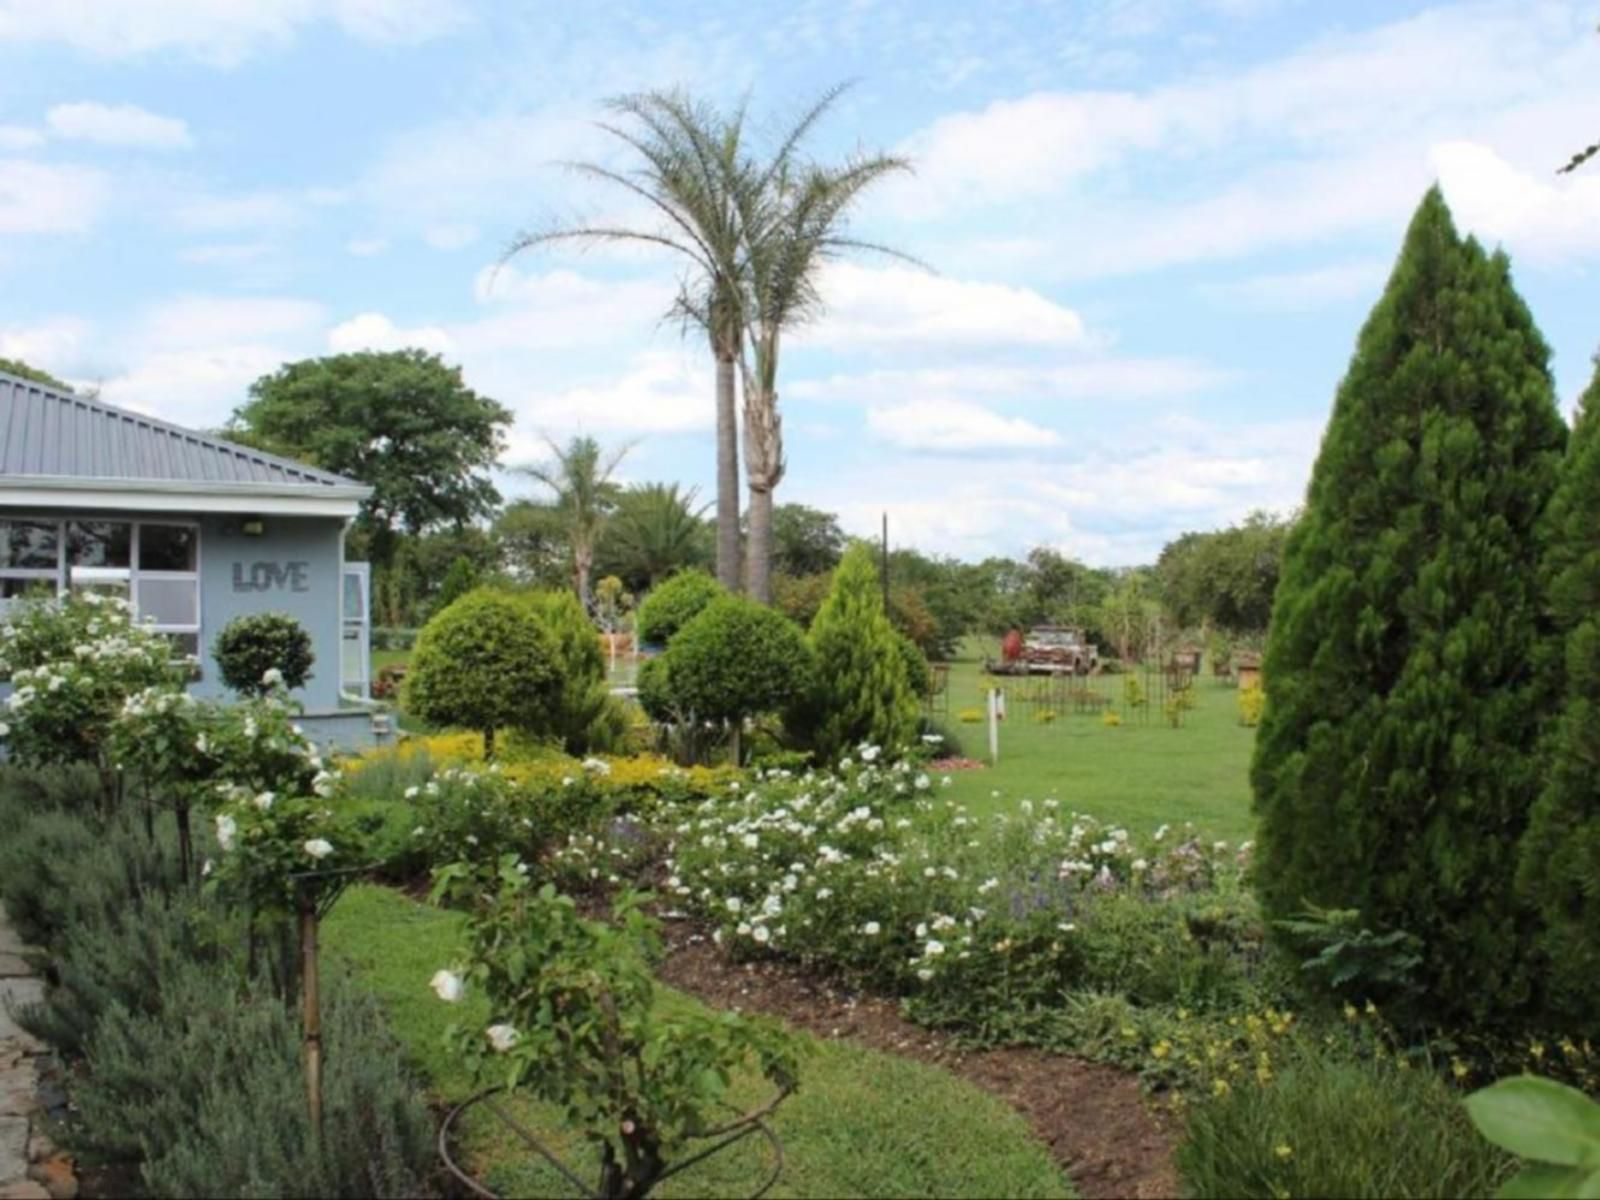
(614, 1185)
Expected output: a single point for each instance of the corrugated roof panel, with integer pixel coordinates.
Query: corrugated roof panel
(51, 433)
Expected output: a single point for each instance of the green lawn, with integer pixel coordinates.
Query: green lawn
(862, 1124)
(1142, 773)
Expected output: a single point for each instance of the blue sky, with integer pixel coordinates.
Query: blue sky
(1156, 225)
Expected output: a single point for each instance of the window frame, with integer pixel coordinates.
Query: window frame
(65, 575)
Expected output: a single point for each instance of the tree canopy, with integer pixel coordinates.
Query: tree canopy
(400, 421)
(14, 366)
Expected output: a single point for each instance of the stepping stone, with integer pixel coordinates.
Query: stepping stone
(13, 1149)
(18, 1090)
(14, 966)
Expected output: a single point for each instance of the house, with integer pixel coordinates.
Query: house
(193, 531)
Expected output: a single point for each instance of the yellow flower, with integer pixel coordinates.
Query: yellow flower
(1263, 1074)
(1161, 1049)
(1350, 1013)
(1129, 1032)
(1537, 1050)
(1459, 1069)
(1220, 1088)
(1372, 1009)
(1284, 1151)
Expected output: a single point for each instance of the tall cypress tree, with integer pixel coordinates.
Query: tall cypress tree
(1394, 767)
(1560, 869)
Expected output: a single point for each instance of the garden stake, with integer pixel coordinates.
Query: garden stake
(312, 1009)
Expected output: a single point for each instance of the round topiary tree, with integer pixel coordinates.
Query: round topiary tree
(673, 604)
(1561, 850)
(737, 659)
(486, 662)
(862, 690)
(1394, 765)
(250, 648)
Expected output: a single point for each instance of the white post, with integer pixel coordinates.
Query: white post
(996, 708)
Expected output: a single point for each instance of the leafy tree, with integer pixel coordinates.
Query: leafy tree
(805, 541)
(737, 659)
(530, 542)
(800, 597)
(1393, 768)
(673, 605)
(486, 663)
(655, 530)
(1561, 852)
(13, 366)
(687, 155)
(861, 691)
(402, 422)
(460, 579)
(250, 646)
(1226, 578)
(585, 498)
(581, 705)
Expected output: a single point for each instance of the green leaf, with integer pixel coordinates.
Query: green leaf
(1539, 1119)
(1542, 1181)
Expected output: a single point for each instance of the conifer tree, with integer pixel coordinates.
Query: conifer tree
(1560, 868)
(1395, 763)
(862, 692)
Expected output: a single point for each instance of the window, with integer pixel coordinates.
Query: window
(153, 565)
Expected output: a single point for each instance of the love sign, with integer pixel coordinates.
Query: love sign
(270, 576)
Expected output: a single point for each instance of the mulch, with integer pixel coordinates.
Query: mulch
(1094, 1118)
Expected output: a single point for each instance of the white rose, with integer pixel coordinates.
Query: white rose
(227, 827)
(264, 801)
(318, 848)
(934, 949)
(761, 935)
(272, 677)
(502, 1037)
(871, 928)
(448, 986)
(870, 753)
(734, 904)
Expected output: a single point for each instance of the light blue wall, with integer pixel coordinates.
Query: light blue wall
(294, 566)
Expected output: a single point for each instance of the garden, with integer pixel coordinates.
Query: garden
(779, 918)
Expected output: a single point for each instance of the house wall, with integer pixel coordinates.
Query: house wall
(294, 566)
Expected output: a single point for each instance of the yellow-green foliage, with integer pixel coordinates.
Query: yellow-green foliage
(970, 716)
(1111, 718)
(1252, 700)
(1045, 716)
(1132, 691)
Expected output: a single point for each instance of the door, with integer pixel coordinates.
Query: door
(355, 667)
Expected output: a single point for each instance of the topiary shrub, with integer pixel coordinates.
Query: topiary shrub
(673, 604)
(249, 648)
(1394, 764)
(861, 691)
(485, 663)
(1560, 857)
(581, 717)
(736, 660)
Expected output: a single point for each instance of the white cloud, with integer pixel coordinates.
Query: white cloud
(19, 137)
(220, 32)
(953, 427)
(888, 307)
(558, 309)
(200, 322)
(117, 125)
(450, 236)
(374, 331)
(247, 211)
(1298, 290)
(40, 198)
(1091, 380)
(225, 254)
(1549, 218)
(366, 247)
(54, 345)
(660, 393)
(197, 387)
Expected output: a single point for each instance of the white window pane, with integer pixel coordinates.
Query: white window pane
(355, 595)
(169, 601)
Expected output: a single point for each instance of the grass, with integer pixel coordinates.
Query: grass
(862, 1124)
(1142, 773)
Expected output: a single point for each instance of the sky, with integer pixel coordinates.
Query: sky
(1152, 228)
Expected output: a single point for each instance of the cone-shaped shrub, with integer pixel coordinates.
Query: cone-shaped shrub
(1561, 852)
(862, 692)
(1395, 764)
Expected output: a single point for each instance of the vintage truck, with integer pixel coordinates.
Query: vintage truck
(1047, 650)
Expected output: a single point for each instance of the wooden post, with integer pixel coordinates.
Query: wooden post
(996, 708)
(312, 1009)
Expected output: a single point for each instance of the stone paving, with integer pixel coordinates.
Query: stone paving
(30, 1166)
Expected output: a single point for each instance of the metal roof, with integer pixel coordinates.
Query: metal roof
(46, 434)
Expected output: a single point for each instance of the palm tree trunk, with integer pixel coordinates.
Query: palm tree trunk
(758, 570)
(582, 567)
(727, 476)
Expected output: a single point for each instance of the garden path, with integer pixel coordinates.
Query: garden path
(30, 1167)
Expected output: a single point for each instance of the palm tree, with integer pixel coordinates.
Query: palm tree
(688, 152)
(656, 529)
(793, 219)
(580, 477)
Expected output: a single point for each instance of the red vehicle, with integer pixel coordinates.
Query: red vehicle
(1048, 650)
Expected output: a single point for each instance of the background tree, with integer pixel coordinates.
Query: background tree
(685, 154)
(805, 541)
(530, 541)
(585, 497)
(1561, 852)
(736, 660)
(1225, 578)
(486, 663)
(1393, 768)
(13, 366)
(401, 422)
(655, 530)
(861, 690)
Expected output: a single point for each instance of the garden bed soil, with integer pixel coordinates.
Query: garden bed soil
(1094, 1118)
